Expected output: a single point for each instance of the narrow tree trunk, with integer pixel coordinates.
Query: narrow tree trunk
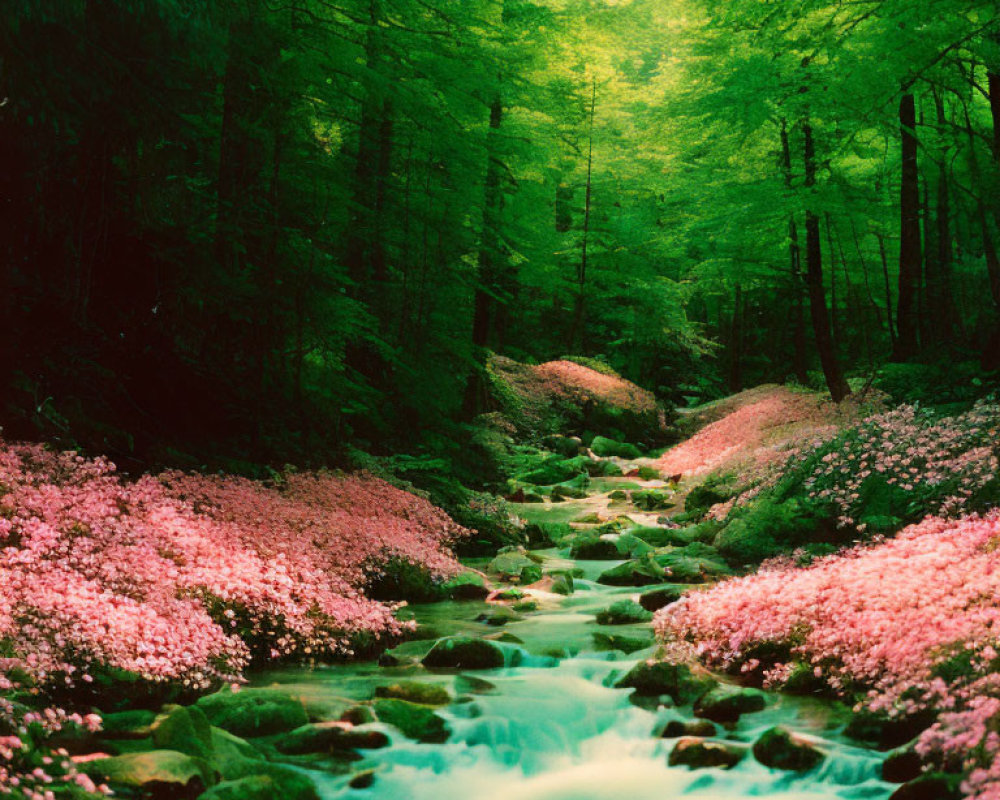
(910, 244)
(884, 258)
(488, 263)
(736, 342)
(817, 296)
(581, 274)
(800, 358)
(940, 257)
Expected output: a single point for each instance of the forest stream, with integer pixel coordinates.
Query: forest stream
(550, 725)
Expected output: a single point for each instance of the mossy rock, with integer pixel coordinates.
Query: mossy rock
(362, 780)
(649, 500)
(325, 737)
(497, 616)
(252, 787)
(230, 751)
(676, 728)
(655, 599)
(662, 537)
(515, 566)
(562, 583)
(624, 612)
(778, 748)
(428, 694)
(253, 712)
(618, 495)
(554, 472)
(185, 730)
(465, 586)
(604, 468)
(292, 784)
(136, 724)
(637, 572)
(877, 730)
(609, 448)
(696, 753)
(931, 786)
(567, 492)
(631, 546)
(617, 641)
(726, 704)
(694, 563)
(646, 473)
(652, 678)
(593, 548)
(461, 652)
(413, 720)
(525, 606)
(158, 773)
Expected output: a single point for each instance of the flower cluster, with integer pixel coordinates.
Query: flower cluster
(183, 578)
(761, 426)
(904, 625)
(533, 392)
(933, 465)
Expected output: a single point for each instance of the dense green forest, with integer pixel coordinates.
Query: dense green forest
(253, 232)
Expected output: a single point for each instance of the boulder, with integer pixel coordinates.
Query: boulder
(358, 715)
(902, 764)
(324, 737)
(655, 599)
(566, 492)
(252, 787)
(465, 586)
(516, 567)
(229, 752)
(362, 780)
(291, 783)
(652, 678)
(185, 730)
(461, 652)
(697, 753)
(127, 724)
(877, 730)
(594, 548)
(624, 612)
(700, 728)
(728, 704)
(663, 537)
(626, 644)
(157, 773)
(779, 748)
(566, 446)
(562, 583)
(637, 572)
(609, 448)
(253, 712)
(631, 546)
(930, 786)
(694, 563)
(427, 694)
(413, 720)
(649, 500)
(497, 616)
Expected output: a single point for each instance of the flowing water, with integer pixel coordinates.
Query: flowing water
(553, 728)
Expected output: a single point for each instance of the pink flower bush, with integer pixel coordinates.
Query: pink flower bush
(532, 392)
(759, 424)
(904, 625)
(940, 462)
(577, 383)
(183, 578)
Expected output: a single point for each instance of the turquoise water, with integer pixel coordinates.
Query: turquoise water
(554, 729)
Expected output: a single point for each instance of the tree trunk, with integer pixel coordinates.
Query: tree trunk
(800, 358)
(488, 264)
(910, 245)
(817, 296)
(939, 258)
(736, 343)
(581, 273)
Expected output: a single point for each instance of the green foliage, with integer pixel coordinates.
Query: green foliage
(768, 527)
